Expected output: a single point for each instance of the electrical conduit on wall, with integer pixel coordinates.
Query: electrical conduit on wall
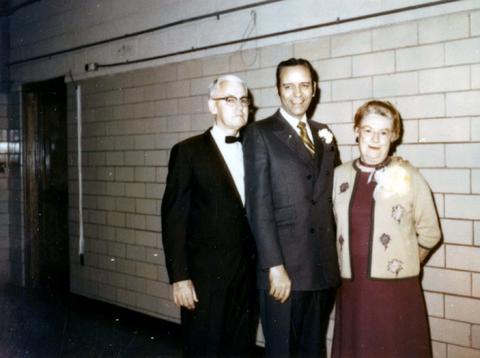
(81, 239)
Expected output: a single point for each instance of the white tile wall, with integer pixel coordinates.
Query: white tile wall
(462, 206)
(446, 79)
(444, 28)
(444, 130)
(420, 57)
(396, 36)
(462, 51)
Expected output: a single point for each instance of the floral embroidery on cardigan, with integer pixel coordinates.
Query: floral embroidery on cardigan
(343, 187)
(385, 240)
(395, 266)
(397, 213)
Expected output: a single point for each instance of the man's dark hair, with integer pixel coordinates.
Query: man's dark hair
(295, 62)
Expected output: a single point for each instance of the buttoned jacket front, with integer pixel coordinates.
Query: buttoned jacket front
(289, 203)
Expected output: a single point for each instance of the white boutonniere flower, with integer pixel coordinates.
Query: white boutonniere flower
(391, 180)
(326, 135)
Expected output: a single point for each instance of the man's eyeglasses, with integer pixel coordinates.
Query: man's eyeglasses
(232, 100)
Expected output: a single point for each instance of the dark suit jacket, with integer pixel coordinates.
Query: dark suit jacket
(289, 203)
(206, 237)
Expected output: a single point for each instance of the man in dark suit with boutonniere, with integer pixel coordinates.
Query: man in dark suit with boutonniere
(208, 245)
(289, 162)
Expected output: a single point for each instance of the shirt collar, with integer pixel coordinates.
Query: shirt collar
(291, 119)
(219, 133)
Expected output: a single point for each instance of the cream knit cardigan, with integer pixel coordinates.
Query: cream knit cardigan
(403, 218)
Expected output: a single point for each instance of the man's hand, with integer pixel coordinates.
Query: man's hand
(280, 284)
(184, 294)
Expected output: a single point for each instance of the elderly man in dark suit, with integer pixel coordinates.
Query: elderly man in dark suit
(207, 241)
(289, 162)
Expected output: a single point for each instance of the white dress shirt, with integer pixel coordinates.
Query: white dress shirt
(294, 122)
(233, 155)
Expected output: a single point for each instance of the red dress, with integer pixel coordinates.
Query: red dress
(376, 318)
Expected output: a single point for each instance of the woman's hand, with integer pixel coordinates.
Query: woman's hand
(422, 253)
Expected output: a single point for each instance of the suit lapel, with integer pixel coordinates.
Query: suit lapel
(319, 146)
(324, 154)
(287, 135)
(218, 162)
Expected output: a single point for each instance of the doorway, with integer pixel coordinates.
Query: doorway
(46, 185)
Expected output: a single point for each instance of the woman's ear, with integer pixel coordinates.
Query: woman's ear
(393, 138)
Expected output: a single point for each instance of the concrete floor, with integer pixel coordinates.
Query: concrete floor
(42, 324)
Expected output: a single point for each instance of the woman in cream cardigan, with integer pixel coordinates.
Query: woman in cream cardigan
(386, 226)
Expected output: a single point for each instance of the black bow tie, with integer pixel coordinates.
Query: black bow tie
(232, 139)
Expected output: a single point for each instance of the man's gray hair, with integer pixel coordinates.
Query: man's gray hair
(215, 85)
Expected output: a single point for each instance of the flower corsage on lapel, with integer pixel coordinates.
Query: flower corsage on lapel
(391, 180)
(325, 135)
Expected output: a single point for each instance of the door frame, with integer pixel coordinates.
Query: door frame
(32, 175)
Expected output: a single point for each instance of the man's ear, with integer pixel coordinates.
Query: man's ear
(314, 88)
(212, 106)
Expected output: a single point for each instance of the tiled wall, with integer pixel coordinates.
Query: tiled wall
(429, 68)
(11, 253)
(11, 225)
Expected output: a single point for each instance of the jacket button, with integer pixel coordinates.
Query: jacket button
(309, 176)
(314, 202)
(327, 172)
(312, 230)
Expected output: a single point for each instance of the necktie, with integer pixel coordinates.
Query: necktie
(232, 139)
(305, 138)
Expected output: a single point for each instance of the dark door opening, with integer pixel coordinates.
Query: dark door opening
(46, 185)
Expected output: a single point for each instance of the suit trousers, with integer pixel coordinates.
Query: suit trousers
(224, 322)
(298, 327)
